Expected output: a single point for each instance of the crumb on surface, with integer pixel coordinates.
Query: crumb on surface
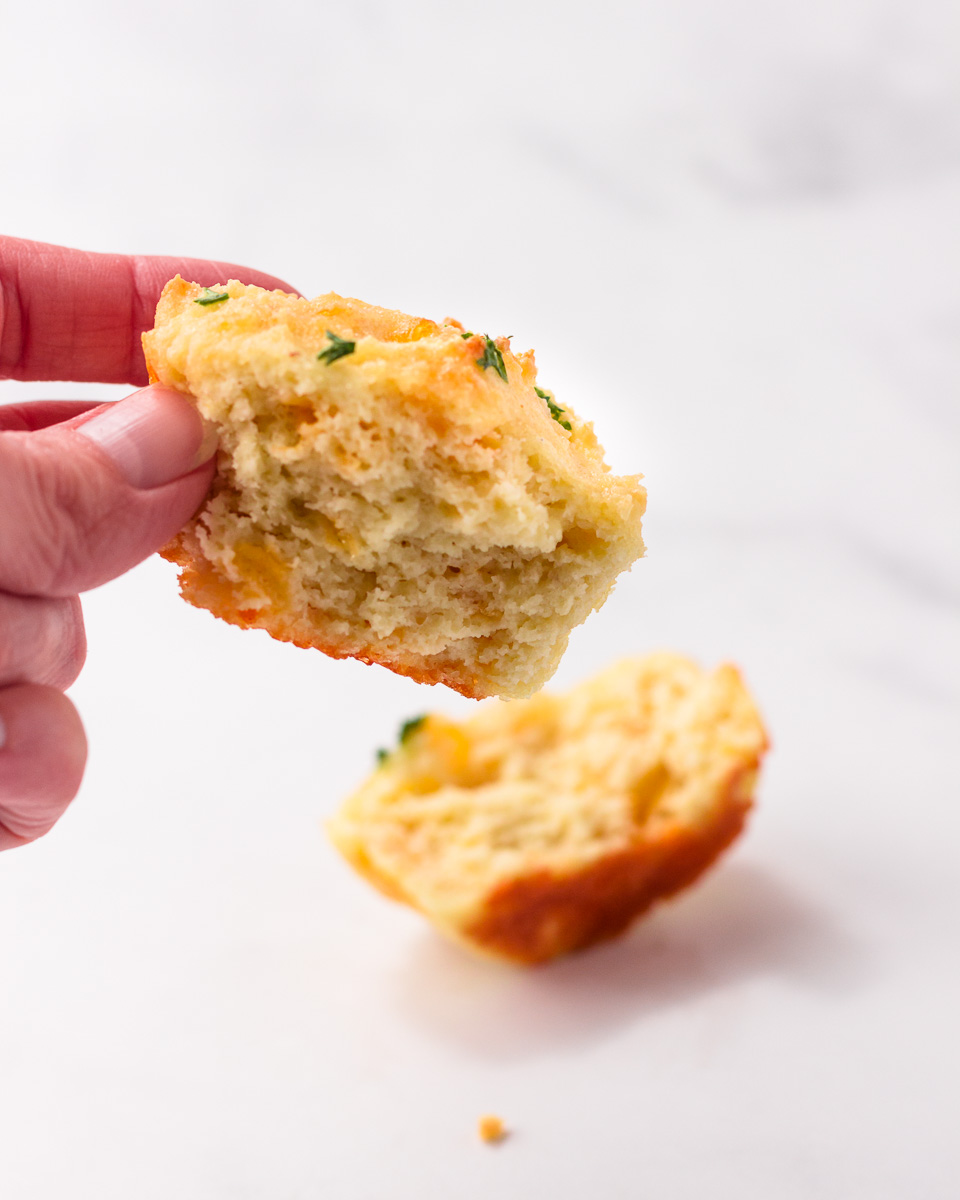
(491, 1129)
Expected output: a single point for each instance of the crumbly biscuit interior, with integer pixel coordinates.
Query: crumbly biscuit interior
(350, 499)
(553, 783)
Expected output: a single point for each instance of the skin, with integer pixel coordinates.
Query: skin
(86, 491)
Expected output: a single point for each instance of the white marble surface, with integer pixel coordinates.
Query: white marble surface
(730, 232)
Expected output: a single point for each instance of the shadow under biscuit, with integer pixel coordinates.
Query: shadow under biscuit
(738, 925)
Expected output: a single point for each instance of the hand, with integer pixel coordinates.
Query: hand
(86, 491)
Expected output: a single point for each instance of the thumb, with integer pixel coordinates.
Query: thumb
(82, 503)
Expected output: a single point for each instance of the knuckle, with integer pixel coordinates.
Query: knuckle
(70, 650)
(63, 644)
(52, 510)
(41, 641)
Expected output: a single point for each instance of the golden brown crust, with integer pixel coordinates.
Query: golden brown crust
(538, 917)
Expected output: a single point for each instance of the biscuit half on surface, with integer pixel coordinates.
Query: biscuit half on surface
(390, 489)
(541, 826)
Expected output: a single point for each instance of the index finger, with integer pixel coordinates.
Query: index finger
(77, 315)
(30, 415)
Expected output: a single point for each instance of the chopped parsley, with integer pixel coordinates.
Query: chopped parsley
(211, 297)
(407, 731)
(409, 728)
(339, 347)
(492, 357)
(555, 410)
(466, 335)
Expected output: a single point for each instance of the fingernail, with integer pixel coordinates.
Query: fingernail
(153, 436)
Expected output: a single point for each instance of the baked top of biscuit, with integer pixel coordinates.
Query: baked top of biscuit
(541, 826)
(390, 488)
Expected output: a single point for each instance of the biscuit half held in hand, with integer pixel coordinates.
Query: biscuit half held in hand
(542, 826)
(390, 489)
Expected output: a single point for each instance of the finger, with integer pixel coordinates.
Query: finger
(72, 314)
(42, 754)
(41, 641)
(38, 414)
(79, 506)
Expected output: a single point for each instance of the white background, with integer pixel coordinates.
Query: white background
(729, 230)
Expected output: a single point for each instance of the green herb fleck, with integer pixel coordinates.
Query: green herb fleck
(492, 357)
(338, 348)
(211, 297)
(466, 335)
(555, 410)
(409, 728)
(382, 756)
